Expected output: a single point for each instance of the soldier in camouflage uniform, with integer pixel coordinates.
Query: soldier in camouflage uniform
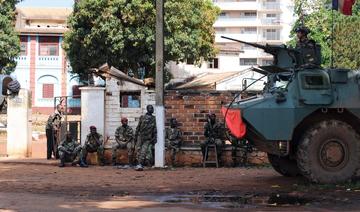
(124, 137)
(94, 143)
(214, 134)
(310, 52)
(241, 146)
(173, 139)
(69, 151)
(146, 131)
(52, 126)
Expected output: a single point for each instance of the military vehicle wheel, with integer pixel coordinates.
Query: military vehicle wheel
(284, 166)
(329, 152)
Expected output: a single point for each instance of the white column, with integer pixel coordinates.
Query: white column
(160, 144)
(92, 110)
(19, 125)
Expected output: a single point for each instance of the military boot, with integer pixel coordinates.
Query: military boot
(83, 164)
(62, 163)
(139, 167)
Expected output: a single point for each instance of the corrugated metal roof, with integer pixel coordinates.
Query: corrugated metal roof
(52, 13)
(207, 80)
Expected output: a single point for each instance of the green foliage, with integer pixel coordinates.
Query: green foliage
(122, 33)
(9, 39)
(320, 20)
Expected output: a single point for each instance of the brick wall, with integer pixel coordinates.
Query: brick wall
(191, 108)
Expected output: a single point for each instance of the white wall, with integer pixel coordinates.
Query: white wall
(92, 110)
(236, 82)
(113, 111)
(19, 125)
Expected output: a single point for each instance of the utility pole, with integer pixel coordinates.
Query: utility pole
(159, 86)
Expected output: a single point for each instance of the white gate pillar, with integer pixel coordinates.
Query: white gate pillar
(19, 125)
(92, 110)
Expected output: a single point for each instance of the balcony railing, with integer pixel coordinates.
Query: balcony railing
(245, 37)
(270, 6)
(48, 61)
(237, 5)
(225, 22)
(270, 21)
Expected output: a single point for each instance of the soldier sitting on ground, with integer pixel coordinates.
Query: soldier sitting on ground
(146, 135)
(124, 137)
(94, 143)
(214, 134)
(173, 139)
(69, 151)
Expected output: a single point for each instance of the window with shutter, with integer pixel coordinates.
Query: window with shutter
(49, 46)
(48, 91)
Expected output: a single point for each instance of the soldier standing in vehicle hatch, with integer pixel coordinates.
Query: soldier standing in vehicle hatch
(309, 50)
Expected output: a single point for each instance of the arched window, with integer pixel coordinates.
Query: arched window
(73, 87)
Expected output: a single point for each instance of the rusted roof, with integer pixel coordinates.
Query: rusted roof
(44, 13)
(117, 74)
(207, 80)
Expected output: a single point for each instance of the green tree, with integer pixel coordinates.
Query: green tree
(122, 33)
(9, 39)
(326, 24)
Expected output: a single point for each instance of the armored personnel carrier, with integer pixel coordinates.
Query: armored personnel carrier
(307, 118)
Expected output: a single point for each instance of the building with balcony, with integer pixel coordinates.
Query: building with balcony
(42, 66)
(254, 21)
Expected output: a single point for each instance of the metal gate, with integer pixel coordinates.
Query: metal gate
(72, 116)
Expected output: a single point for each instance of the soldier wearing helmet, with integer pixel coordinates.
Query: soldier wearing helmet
(124, 136)
(309, 51)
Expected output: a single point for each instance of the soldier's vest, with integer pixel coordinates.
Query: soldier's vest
(310, 53)
(70, 146)
(174, 133)
(147, 127)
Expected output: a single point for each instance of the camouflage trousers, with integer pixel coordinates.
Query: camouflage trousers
(145, 147)
(90, 148)
(73, 157)
(130, 146)
(173, 147)
(219, 145)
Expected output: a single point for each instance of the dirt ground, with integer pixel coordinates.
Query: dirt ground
(34, 187)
